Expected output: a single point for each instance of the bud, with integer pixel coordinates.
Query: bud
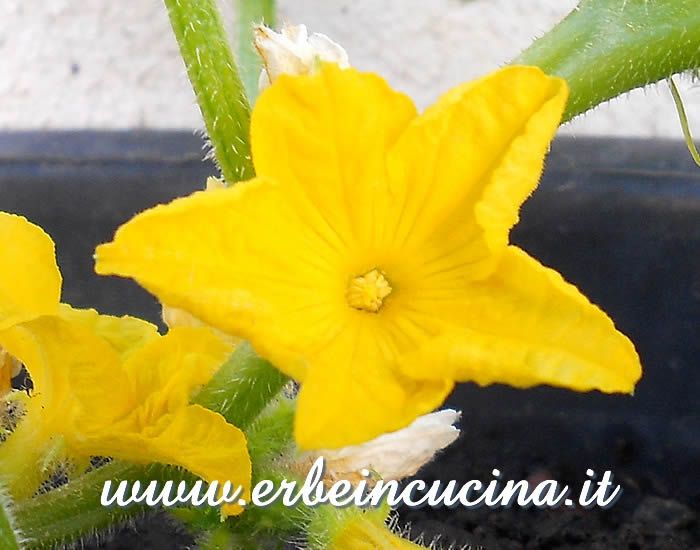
(393, 456)
(292, 51)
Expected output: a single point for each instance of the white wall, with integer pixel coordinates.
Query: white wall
(115, 64)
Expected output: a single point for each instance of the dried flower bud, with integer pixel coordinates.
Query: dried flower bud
(393, 456)
(293, 51)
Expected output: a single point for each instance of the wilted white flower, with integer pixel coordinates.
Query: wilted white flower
(392, 456)
(293, 51)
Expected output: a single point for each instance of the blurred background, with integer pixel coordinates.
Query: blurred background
(105, 64)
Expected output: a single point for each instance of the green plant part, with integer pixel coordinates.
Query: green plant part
(242, 387)
(683, 120)
(605, 48)
(212, 71)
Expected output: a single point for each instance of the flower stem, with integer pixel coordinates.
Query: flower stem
(212, 71)
(74, 511)
(251, 12)
(242, 387)
(607, 47)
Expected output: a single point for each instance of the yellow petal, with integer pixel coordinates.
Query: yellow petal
(340, 407)
(55, 352)
(175, 365)
(7, 368)
(364, 530)
(175, 317)
(326, 136)
(155, 380)
(524, 326)
(463, 168)
(125, 334)
(30, 283)
(199, 440)
(240, 260)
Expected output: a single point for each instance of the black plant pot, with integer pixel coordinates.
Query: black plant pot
(619, 218)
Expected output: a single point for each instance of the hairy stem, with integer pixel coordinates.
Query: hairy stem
(212, 71)
(607, 47)
(74, 511)
(242, 387)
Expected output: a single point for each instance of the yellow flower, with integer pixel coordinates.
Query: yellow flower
(107, 386)
(369, 259)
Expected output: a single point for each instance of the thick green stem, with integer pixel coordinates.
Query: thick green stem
(74, 511)
(252, 12)
(214, 77)
(607, 47)
(242, 387)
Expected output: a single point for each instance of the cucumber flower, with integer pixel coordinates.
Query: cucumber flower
(103, 385)
(370, 257)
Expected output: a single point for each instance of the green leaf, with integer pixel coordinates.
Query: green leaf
(605, 48)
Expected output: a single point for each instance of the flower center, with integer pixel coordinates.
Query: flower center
(367, 293)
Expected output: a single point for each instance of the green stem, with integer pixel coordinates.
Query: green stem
(210, 65)
(252, 12)
(74, 511)
(10, 537)
(607, 47)
(242, 387)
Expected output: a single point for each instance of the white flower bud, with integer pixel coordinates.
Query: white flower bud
(393, 456)
(293, 51)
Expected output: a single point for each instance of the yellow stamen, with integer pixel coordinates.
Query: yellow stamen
(367, 293)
